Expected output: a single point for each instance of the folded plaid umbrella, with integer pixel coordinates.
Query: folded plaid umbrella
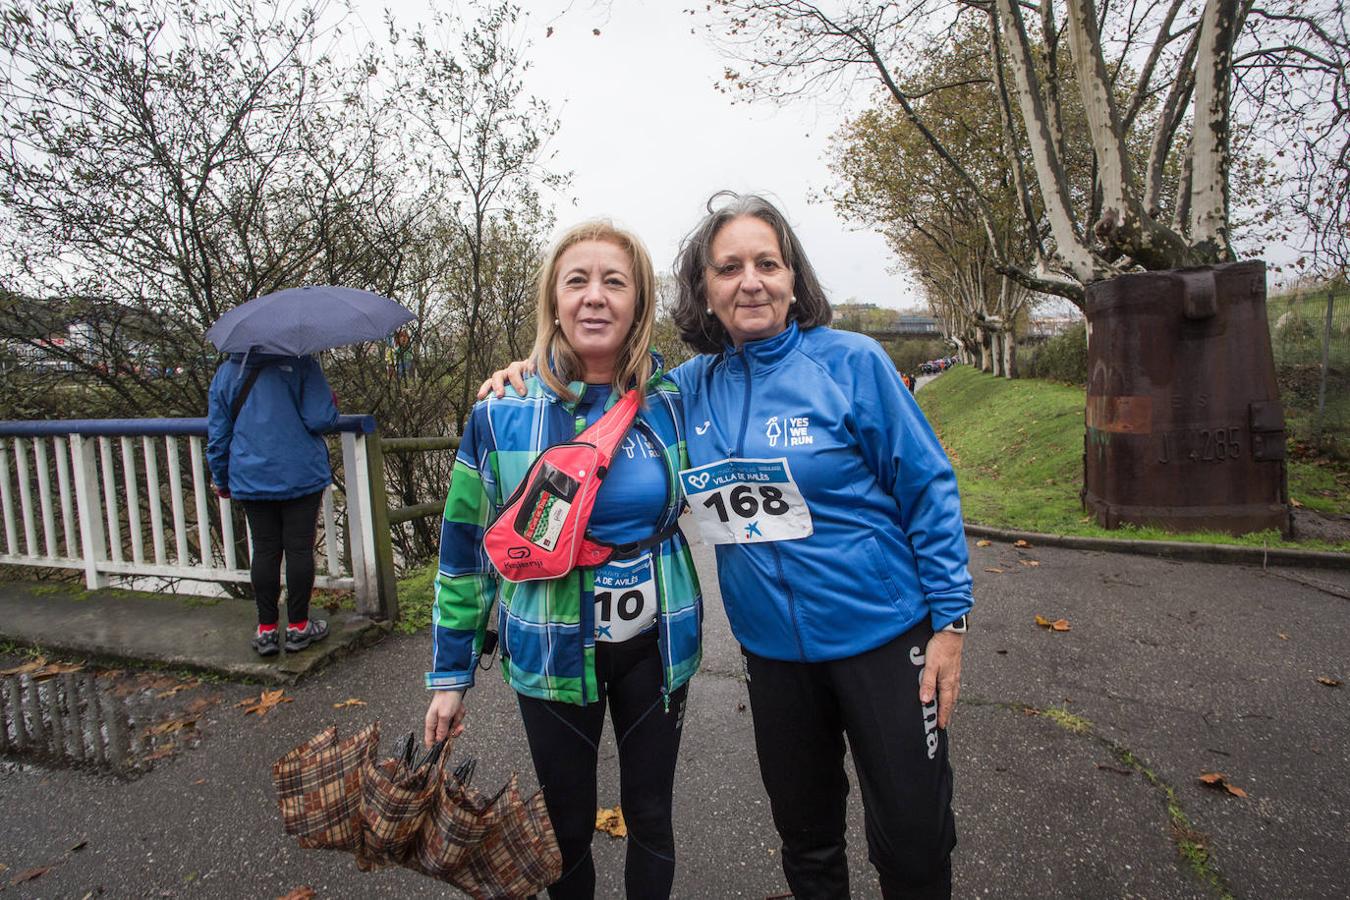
(520, 854)
(413, 813)
(319, 788)
(396, 796)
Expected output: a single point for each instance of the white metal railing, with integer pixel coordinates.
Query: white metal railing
(115, 499)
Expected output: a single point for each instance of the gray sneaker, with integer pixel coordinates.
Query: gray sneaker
(298, 639)
(267, 643)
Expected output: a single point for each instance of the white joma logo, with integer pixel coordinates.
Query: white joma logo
(702, 429)
(917, 657)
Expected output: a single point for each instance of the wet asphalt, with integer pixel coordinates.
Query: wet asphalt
(1077, 755)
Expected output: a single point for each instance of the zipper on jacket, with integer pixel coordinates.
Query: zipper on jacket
(777, 557)
(745, 407)
(668, 659)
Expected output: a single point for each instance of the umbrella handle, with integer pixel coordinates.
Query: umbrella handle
(433, 753)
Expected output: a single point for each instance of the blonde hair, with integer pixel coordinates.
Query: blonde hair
(554, 357)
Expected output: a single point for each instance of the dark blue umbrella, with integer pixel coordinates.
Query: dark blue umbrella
(304, 320)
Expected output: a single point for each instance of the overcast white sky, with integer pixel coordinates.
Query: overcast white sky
(648, 139)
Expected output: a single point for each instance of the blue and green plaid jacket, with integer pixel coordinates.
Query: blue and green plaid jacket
(547, 628)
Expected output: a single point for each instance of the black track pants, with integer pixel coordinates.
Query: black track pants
(281, 526)
(564, 741)
(802, 714)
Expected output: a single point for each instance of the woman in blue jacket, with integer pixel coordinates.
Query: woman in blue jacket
(840, 553)
(269, 454)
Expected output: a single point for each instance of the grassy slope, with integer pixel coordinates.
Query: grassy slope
(1018, 451)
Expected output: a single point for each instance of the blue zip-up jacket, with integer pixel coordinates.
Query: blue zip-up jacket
(275, 451)
(547, 628)
(888, 546)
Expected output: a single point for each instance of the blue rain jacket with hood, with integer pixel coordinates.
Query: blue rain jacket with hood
(274, 451)
(888, 546)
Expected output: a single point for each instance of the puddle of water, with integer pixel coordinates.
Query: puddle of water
(107, 722)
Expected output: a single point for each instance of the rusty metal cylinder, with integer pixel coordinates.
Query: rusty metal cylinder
(1184, 427)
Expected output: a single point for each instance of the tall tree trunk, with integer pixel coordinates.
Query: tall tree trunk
(1124, 224)
(1010, 356)
(1075, 253)
(1209, 139)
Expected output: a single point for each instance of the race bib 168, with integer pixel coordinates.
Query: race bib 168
(746, 501)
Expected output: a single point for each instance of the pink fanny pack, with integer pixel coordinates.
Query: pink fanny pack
(540, 533)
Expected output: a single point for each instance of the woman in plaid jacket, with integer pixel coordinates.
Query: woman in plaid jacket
(626, 635)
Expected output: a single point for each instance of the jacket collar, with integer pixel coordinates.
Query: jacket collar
(768, 351)
(578, 388)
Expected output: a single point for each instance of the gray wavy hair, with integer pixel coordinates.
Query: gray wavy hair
(702, 330)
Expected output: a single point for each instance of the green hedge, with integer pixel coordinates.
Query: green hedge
(1063, 358)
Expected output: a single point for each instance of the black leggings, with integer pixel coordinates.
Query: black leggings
(277, 526)
(802, 714)
(564, 741)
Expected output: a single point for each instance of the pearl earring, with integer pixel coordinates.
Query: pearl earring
(792, 300)
(708, 310)
(556, 322)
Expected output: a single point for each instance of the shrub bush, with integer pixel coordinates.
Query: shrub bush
(1063, 358)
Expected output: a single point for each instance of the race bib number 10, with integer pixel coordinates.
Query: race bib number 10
(746, 501)
(625, 599)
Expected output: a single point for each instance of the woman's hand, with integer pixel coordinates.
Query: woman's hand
(445, 716)
(516, 373)
(942, 673)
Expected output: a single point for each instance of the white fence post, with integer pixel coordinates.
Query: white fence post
(92, 547)
(43, 465)
(360, 528)
(7, 501)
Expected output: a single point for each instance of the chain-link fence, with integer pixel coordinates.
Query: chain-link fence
(1316, 395)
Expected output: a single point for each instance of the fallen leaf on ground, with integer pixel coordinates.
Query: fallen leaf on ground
(201, 705)
(1056, 625)
(29, 874)
(995, 571)
(1029, 563)
(350, 701)
(200, 781)
(53, 669)
(983, 543)
(1114, 769)
(1295, 504)
(1282, 636)
(610, 821)
(1329, 682)
(1022, 545)
(161, 753)
(39, 668)
(171, 726)
(265, 702)
(178, 688)
(303, 892)
(79, 846)
(1219, 780)
(3, 867)
(30, 666)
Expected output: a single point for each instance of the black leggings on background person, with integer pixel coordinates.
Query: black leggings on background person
(281, 526)
(564, 741)
(802, 713)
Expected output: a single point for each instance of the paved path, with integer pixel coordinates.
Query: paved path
(1171, 670)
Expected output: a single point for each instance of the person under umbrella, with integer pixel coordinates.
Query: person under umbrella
(268, 453)
(267, 410)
